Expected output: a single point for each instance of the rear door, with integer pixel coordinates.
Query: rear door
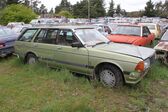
(45, 45)
(24, 43)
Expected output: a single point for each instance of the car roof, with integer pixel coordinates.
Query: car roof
(66, 27)
(148, 23)
(134, 25)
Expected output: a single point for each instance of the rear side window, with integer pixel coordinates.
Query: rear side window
(28, 35)
(47, 36)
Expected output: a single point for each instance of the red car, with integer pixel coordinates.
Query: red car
(132, 34)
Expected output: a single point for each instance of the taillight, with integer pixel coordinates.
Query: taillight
(140, 66)
(2, 45)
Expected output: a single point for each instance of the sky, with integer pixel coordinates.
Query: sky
(128, 5)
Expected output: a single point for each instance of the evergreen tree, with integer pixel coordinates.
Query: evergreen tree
(118, 9)
(42, 9)
(51, 11)
(111, 10)
(80, 9)
(149, 9)
(64, 5)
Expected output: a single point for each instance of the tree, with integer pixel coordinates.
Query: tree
(42, 9)
(51, 11)
(149, 9)
(26, 2)
(64, 5)
(165, 9)
(83, 12)
(118, 9)
(96, 9)
(111, 10)
(2, 3)
(16, 13)
(66, 14)
(9, 2)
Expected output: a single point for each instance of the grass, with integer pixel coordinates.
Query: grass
(36, 88)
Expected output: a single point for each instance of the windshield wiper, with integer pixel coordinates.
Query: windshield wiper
(99, 43)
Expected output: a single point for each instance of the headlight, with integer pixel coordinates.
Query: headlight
(147, 63)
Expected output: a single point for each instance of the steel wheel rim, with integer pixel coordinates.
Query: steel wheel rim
(31, 60)
(107, 77)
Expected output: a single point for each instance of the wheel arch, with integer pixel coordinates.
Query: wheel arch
(98, 66)
(30, 52)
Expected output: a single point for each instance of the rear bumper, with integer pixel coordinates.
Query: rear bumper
(6, 51)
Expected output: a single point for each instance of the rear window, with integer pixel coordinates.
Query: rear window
(128, 30)
(28, 35)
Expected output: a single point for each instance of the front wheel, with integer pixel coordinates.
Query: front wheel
(31, 59)
(110, 76)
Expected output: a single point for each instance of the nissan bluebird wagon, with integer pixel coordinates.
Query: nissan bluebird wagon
(82, 49)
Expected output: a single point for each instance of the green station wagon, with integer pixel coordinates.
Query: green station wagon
(82, 49)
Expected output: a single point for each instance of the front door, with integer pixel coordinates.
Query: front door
(73, 58)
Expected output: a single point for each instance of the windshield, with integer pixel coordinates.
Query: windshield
(128, 30)
(165, 36)
(91, 36)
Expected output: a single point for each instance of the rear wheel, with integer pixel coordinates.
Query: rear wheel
(31, 59)
(110, 76)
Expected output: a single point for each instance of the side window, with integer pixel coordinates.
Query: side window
(47, 36)
(146, 31)
(41, 36)
(66, 37)
(28, 35)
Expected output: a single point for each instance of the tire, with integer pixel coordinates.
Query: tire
(110, 76)
(31, 59)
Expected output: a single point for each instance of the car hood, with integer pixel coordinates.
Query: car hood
(131, 50)
(162, 46)
(123, 38)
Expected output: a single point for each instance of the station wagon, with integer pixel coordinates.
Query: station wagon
(82, 49)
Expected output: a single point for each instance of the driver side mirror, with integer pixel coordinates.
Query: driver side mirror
(77, 44)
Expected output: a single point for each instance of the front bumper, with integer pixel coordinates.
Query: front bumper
(6, 51)
(134, 77)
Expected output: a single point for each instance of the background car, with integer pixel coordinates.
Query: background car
(104, 29)
(154, 28)
(132, 34)
(7, 40)
(162, 48)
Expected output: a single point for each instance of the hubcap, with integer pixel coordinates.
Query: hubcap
(107, 77)
(31, 60)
